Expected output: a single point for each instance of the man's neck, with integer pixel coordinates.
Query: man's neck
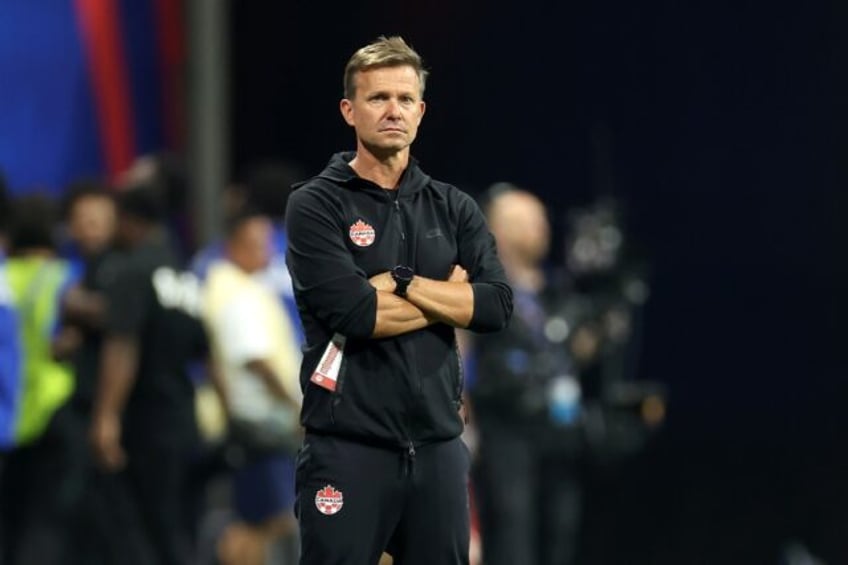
(239, 265)
(382, 171)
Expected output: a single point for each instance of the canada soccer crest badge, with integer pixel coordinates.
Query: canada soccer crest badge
(328, 500)
(362, 234)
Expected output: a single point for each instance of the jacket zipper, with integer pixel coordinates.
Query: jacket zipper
(399, 217)
(409, 456)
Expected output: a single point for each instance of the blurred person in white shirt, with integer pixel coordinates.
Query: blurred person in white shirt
(256, 360)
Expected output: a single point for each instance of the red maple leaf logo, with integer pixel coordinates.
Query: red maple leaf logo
(360, 226)
(328, 492)
(328, 500)
(362, 234)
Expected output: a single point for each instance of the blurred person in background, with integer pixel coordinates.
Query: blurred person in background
(89, 228)
(526, 402)
(265, 189)
(90, 224)
(40, 486)
(9, 343)
(257, 356)
(87, 225)
(386, 262)
(143, 414)
(164, 173)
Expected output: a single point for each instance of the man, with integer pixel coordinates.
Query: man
(90, 222)
(256, 354)
(526, 401)
(90, 218)
(143, 414)
(386, 262)
(41, 476)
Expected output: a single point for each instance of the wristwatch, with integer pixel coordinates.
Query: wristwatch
(402, 276)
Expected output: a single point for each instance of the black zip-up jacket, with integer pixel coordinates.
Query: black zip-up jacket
(401, 391)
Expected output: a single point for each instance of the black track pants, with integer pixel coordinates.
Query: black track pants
(355, 501)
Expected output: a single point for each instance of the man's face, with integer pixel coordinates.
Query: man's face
(252, 245)
(521, 228)
(92, 223)
(386, 109)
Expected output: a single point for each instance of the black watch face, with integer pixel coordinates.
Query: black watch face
(403, 273)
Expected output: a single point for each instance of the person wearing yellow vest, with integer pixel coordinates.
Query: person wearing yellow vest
(39, 486)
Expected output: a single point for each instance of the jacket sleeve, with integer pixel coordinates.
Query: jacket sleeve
(478, 255)
(326, 280)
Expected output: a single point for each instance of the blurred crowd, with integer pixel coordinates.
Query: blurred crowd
(148, 388)
(149, 397)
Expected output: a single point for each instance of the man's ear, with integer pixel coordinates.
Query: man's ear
(346, 108)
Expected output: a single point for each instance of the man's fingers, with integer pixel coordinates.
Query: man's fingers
(383, 281)
(458, 274)
(108, 451)
(111, 457)
(116, 458)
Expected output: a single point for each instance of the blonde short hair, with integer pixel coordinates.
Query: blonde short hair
(384, 52)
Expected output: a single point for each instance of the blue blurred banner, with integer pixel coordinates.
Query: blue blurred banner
(86, 86)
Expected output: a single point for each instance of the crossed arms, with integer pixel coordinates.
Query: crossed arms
(427, 301)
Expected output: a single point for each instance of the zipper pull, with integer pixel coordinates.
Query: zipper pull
(410, 459)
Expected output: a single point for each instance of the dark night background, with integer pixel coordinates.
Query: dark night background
(722, 127)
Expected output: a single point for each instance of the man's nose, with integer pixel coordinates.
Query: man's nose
(393, 108)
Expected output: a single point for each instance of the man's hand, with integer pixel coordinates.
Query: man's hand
(383, 282)
(242, 544)
(84, 306)
(67, 341)
(458, 274)
(105, 438)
